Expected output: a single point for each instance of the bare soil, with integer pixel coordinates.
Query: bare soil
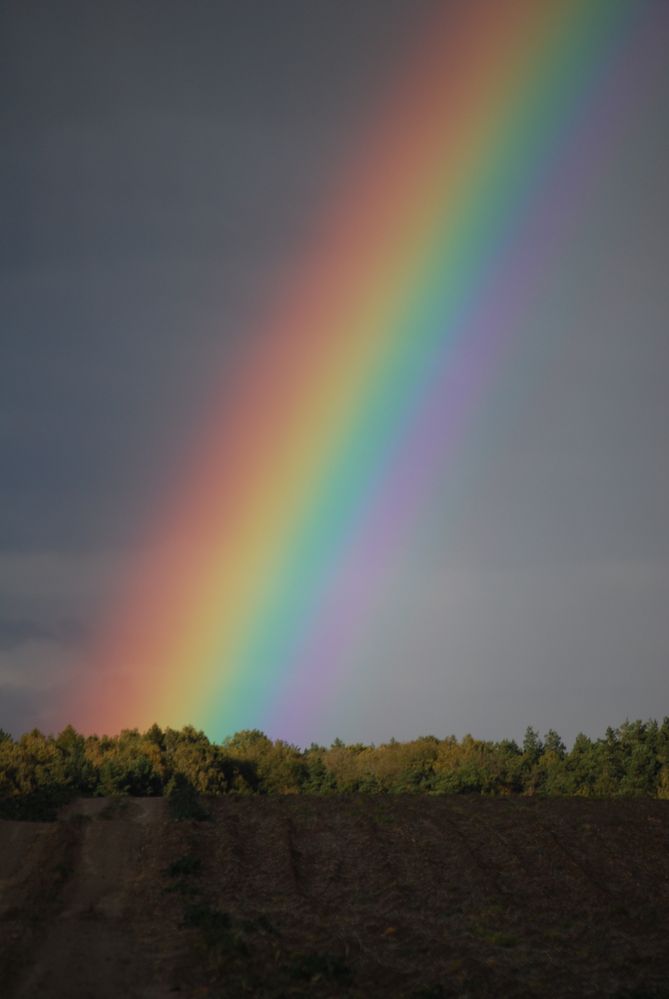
(338, 897)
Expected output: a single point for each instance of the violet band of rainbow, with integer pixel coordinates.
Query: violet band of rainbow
(358, 388)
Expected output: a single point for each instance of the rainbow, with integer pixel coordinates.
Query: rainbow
(359, 382)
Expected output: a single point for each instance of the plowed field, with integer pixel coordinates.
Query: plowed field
(338, 897)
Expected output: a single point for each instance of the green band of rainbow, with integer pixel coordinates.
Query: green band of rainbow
(362, 376)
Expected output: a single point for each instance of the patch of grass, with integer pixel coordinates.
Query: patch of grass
(184, 869)
(63, 872)
(217, 928)
(183, 887)
(499, 939)
(42, 805)
(259, 924)
(204, 916)
(184, 801)
(186, 866)
(316, 968)
(486, 926)
(494, 937)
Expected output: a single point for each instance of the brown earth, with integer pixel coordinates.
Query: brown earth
(338, 897)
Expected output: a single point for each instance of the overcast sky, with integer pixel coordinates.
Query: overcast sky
(160, 163)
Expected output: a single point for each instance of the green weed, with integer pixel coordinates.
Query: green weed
(318, 967)
(187, 866)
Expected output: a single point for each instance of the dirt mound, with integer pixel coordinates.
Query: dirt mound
(356, 896)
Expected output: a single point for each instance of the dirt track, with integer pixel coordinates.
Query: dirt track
(336, 897)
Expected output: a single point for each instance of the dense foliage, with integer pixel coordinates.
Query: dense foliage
(38, 772)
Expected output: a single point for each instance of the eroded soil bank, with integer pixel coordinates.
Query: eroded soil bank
(335, 897)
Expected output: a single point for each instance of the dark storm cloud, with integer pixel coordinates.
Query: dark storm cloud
(154, 129)
(159, 161)
(15, 633)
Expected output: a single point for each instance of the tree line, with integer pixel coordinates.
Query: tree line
(46, 770)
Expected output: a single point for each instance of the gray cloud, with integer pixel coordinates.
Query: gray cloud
(15, 633)
(493, 650)
(161, 163)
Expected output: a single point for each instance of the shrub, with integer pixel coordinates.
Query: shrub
(184, 801)
(187, 866)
